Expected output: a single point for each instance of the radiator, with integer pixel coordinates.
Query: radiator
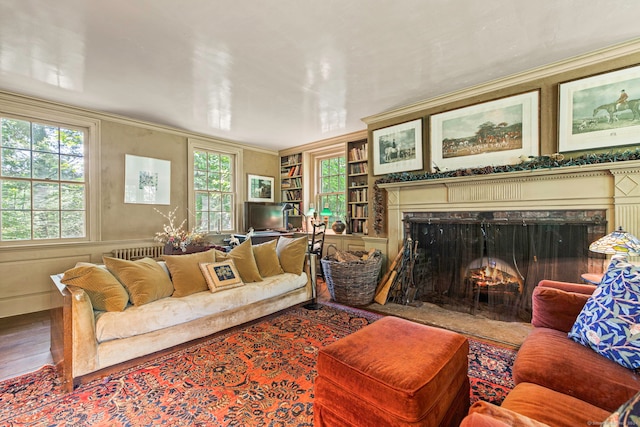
(140, 252)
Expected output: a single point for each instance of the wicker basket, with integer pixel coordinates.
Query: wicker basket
(352, 282)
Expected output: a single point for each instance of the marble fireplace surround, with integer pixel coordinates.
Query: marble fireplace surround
(612, 187)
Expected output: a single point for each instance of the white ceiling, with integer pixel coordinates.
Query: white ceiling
(282, 73)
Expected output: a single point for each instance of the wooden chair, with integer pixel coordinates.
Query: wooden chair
(316, 243)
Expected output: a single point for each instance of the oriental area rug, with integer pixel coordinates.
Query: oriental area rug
(260, 375)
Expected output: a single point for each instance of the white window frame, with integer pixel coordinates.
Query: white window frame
(194, 144)
(35, 111)
(316, 157)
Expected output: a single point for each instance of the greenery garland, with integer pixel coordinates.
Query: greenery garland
(531, 163)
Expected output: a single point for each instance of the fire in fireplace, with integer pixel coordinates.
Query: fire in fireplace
(488, 264)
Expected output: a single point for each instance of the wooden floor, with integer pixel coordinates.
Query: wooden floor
(24, 344)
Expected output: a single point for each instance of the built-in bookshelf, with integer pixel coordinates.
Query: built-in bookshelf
(291, 182)
(358, 186)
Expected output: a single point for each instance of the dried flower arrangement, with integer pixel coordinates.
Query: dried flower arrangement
(177, 237)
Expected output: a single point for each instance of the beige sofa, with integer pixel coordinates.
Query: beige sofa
(84, 340)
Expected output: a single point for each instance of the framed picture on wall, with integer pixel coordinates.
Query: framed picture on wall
(492, 133)
(600, 111)
(398, 148)
(260, 188)
(147, 180)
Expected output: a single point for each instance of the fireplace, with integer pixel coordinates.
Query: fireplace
(568, 206)
(488, 263)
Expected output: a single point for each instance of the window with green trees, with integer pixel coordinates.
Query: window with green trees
(214, 191)
(42, 181)
(332, 179)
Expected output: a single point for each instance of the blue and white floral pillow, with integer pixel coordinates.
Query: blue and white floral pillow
(627, 415)
(609, 322)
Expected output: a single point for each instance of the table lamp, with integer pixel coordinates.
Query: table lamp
(618, 242)
(326, 213)
(311, 213)
(291, 207)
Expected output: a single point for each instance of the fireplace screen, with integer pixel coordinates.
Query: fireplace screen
(492, 268)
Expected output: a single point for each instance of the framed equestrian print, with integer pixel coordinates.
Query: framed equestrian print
(398, 148)
(600, 111)
(492, 133)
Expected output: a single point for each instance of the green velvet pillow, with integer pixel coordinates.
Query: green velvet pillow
(291, 253)
(267, 258)
(245, 262)
(144, 279)
(185, 272)
(105, 291)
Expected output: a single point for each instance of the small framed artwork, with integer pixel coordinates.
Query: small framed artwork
(147, 180)
(600, 111)
(492, 133)
(398, 148)
(260, 188)
(220, 275)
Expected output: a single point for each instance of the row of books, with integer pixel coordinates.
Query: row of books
(357, 168)
(359, 226)
(291, 183)
(292, 195)
(293, 171)
(359, 211)
(360, 195)
(357, 154)
(291, 160)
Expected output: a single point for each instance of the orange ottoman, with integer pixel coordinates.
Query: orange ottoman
(393, 373)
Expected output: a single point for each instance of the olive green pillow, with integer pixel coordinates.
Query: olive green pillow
(185, 272)
(291, 253)
(267, 259)
(104, 290)
(144, 279)
(242, 256)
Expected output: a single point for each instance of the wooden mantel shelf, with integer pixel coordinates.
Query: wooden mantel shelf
(534, 174)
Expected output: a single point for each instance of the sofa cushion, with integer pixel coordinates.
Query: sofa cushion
(168, 312)
(291, 253)
(185, 272)
(628, 414)
(104, 290)
(267, 258)
(550, 359)
(503, 415)
(552, 408)
(609, 323)
(221, 275)
(144, 279)
(242, 256)
(555, 308)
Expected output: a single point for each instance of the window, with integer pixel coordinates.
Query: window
(213, 177)
(42, 180)
(332, 183)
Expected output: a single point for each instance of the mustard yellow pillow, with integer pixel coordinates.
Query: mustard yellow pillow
(242, 256)
(291, 253)
(144, 279)
(104, 290)
(221, 275)
(267, 259)
(185, 272)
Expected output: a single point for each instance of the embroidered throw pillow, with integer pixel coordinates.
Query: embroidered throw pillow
(221, 275)
(609, 322)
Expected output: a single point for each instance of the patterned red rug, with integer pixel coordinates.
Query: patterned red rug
(261, 375)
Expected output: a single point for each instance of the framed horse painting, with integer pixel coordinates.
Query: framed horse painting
(398, 148)
(492, 133)
(600, 111)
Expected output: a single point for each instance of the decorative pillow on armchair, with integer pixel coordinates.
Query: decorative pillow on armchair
(627, 415)
(609, 323)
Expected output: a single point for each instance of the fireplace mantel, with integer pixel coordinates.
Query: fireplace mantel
(613, 187)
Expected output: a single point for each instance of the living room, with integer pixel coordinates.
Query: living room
(117, 137)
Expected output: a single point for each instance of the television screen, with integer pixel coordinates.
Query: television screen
(263, 216)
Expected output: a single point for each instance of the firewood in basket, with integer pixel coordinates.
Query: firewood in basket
(368, 254)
